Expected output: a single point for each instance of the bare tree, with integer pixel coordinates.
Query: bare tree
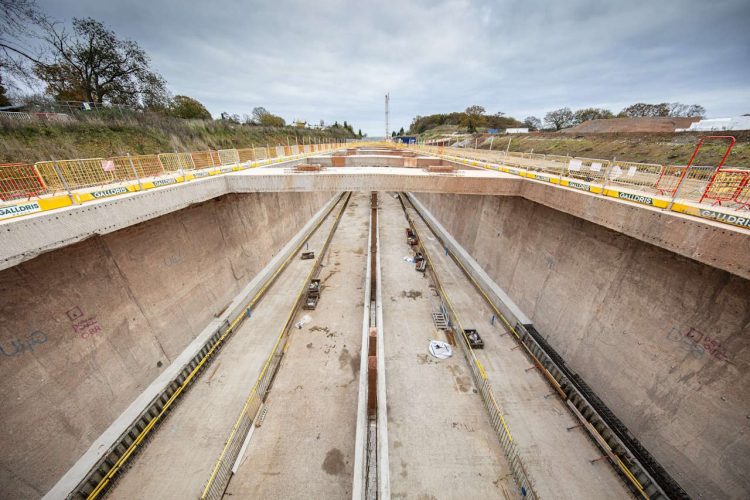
(533, 123)
(475, 110)
(559, 118)
(18, 22)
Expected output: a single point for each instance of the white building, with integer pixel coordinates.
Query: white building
(718, 124)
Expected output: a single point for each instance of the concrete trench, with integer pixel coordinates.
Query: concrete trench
(660, 338)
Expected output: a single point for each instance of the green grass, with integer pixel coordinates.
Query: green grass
(92, 136)
(659, 148)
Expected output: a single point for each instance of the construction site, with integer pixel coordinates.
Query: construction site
(371, 321)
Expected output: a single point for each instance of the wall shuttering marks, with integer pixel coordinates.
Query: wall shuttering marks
(84, 329)
(663, 340)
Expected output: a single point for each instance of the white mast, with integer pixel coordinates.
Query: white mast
(387, 134)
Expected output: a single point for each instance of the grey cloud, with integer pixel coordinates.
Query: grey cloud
(334, 60)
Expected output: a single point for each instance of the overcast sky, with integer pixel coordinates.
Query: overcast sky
(335, 60)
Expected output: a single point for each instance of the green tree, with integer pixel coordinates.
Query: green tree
(474, 118)
(261, 116)
(186, 107)
(91, 63)
(401, 131)
(586, 114)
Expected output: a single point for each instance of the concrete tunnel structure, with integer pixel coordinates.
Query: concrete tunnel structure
(645, 312)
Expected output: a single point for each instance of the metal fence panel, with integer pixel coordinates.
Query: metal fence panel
(143, 165)
(228, 157)
(205, 159)
(77, 173)
(246, 155)
(19, 180)
(726, 186)
(175, 162)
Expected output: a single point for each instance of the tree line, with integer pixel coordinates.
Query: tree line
(564, 117)
(472, 118)
(87, 62)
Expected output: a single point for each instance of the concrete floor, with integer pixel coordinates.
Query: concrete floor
(441, 442)
(305, 446)
(179, 458)
(557, 460)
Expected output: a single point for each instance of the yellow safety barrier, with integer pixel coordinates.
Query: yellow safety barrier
(122, 174)
(176, 162)
(643, 183)
(139, 166)
(72, 174)
(246, 154)
(228, 157)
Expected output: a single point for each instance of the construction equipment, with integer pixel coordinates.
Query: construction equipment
(411, 237)
(313, 295)
(421, 266)
(475, 341)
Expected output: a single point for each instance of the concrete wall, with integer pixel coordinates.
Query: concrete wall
(664, 340)
(84, 329)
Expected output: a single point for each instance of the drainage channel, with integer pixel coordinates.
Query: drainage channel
(126, 447)
(371, 467)
(253, 411)
(643, 475)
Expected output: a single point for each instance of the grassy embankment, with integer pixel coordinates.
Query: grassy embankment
(662, 148)
(92, 136)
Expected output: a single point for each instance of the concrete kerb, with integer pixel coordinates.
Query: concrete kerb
(104, 443)
(384, 467)
(359, 473)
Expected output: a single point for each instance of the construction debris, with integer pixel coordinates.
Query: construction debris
(440, 349)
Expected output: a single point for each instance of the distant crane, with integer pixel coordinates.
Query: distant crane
(387, 99)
